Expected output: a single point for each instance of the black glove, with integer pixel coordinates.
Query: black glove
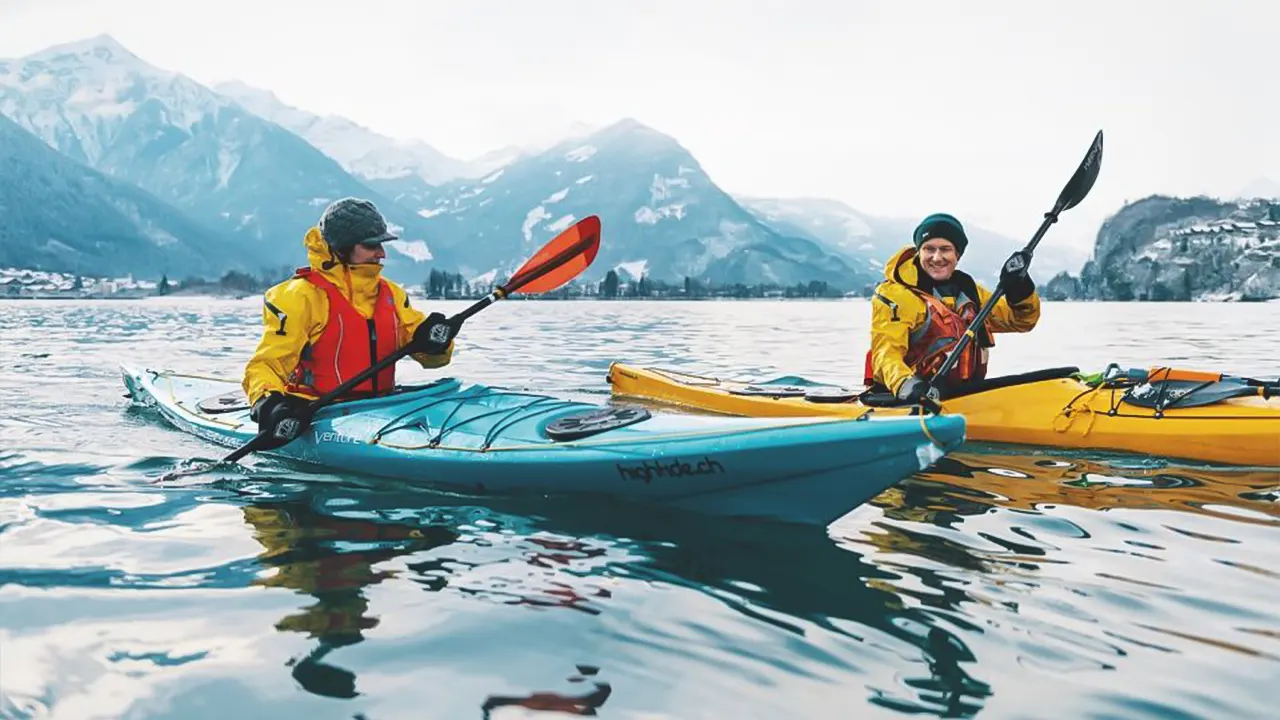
(1017, 284)
(282, 417)
(433, 335)
(915, 390)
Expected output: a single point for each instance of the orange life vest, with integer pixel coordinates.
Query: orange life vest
(349, 344)
(929, 344)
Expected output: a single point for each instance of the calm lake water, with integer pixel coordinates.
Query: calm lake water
(1000, 583)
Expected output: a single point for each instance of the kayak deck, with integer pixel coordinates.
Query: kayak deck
(484, 439)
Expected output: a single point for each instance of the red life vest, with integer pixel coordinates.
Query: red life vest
(349, 344)
(929, 344)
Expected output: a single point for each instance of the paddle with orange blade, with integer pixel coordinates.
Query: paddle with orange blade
(558, 262)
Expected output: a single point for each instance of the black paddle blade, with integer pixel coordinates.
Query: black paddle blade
(1082, 182)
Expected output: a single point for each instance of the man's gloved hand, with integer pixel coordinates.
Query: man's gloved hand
(433, 335)
(1017, 284)
(282, 417)
(915, 390)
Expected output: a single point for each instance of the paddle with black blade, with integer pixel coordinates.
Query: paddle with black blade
(1076, 189)
(558, 262)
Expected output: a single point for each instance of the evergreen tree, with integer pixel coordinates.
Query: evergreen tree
(609, 288)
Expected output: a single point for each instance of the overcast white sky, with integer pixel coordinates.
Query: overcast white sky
(979, 108)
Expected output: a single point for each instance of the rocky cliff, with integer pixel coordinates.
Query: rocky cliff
(1164, 248)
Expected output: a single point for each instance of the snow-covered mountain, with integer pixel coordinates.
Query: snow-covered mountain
(662, 216)
(61, 215)
(830, 223)
(378, 158)
(868, 240)
(367, 154)
(201, 151)
(256, 173)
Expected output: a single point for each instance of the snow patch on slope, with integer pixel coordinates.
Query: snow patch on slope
(532, 218)
(662, 188)
(415, 249)
(635, 268)
(580, 154)
(485, 279)
(228, 161)
(561, 224)
(650, 216)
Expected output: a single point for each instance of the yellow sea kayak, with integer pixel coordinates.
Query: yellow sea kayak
(1162, 412)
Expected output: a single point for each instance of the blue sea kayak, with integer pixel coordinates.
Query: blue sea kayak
(483, 439)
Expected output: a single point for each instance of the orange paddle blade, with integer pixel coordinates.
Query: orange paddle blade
(560, 260)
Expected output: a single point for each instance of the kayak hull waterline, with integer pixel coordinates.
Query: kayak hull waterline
(1060, 412)
(481, 439)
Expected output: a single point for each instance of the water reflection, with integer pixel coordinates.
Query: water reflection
(325, 540)
(585, 704)
(973, 482)
(915, 603)
(331, 559)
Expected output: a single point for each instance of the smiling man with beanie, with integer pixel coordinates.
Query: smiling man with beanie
(924, 305)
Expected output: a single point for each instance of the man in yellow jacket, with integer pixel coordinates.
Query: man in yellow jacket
(334, 319)
(924, 305)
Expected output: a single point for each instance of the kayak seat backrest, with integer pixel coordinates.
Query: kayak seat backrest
(1167, 394)
(1003, 381)
(879, 396)
(594, 421)
(830, 394)
(444, 383)
(880, 399)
